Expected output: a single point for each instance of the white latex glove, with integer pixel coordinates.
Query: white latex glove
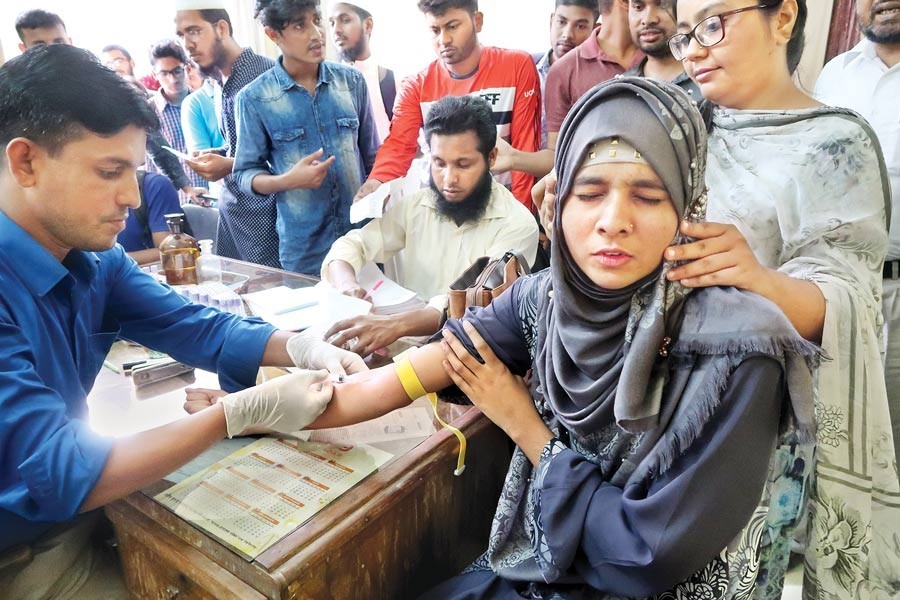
(285, 404)
(308, 352)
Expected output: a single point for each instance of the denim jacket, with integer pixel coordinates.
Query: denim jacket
(280, 122)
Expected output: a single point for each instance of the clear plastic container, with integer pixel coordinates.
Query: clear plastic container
(209, 266)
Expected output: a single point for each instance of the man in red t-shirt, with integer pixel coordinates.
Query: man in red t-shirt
(607, 52)
(506, 79)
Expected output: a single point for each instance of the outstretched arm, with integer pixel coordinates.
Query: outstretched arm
(361, 396)
(371, 394)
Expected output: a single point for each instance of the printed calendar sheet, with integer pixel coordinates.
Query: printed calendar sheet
(262, 492)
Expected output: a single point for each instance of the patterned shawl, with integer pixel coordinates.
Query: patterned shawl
(809, 191)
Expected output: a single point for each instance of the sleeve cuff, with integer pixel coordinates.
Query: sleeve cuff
(245, 178)
(439, 303)
(340, 251)
(242, 354)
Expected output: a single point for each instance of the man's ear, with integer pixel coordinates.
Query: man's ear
(478, 18)
(22, 161)
(368, 25)
(22, 47)
(492, 157)
(272, 34)
(222, 29)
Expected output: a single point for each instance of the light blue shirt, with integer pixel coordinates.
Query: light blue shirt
(57, 324)
(199, 121)
(280, 122)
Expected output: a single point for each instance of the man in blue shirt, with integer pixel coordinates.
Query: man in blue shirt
(74, 134)
(291, 118)
(146, 227)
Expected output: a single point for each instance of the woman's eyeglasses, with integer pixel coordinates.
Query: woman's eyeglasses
(708, 32)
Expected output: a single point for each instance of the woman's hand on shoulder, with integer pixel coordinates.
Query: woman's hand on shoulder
(501, 396)
(720, 256)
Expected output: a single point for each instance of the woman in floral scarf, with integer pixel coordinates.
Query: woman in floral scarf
(798, 211)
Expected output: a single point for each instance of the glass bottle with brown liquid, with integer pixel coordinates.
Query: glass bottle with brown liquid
(179, 253)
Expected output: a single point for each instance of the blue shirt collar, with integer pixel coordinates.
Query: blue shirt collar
(34, 265)
(287, 82)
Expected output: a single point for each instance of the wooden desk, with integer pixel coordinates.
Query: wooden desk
(407, 527)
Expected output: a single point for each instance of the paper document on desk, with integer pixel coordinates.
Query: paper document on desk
(316, 308)
(387, 296)
(261, 493)
(375, 204)
(401, 424)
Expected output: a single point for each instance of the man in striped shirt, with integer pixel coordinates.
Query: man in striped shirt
(169, 63)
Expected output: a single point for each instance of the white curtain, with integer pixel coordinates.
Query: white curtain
(818, 24)
(247, 30)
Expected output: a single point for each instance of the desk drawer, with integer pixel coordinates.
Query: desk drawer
(159, 566)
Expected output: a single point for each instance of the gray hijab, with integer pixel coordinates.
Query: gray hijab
(598, 350)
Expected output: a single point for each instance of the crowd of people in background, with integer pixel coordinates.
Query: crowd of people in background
(774, 294)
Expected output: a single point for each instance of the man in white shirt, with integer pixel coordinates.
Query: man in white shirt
(351, 29)
(432, 236)
(867, 80)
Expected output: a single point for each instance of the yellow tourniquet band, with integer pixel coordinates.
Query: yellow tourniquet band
(414, 389)
(409, 380)
(461, 461)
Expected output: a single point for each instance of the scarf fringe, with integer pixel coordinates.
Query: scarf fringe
(684, 351)
(705, 404)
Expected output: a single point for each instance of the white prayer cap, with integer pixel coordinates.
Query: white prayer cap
(199, 4)
(366, 5)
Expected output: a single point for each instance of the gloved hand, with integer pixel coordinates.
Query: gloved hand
(308, 352)
(285, 404)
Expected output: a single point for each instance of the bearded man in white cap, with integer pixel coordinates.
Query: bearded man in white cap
(351, 30)
(247, 223)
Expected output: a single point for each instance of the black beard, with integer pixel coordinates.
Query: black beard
(876, 37)
(220, 57)
(352, 54)
(660, 50)
(472, 208)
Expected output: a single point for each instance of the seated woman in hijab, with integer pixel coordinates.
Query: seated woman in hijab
(644, 399)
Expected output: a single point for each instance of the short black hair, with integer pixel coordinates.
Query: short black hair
(115, 48)
(214, 15)
(168, 49)
(439, 8)
(36, 19)
(593, 5)
(278, 14)
(53, 94)
(452, 115)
